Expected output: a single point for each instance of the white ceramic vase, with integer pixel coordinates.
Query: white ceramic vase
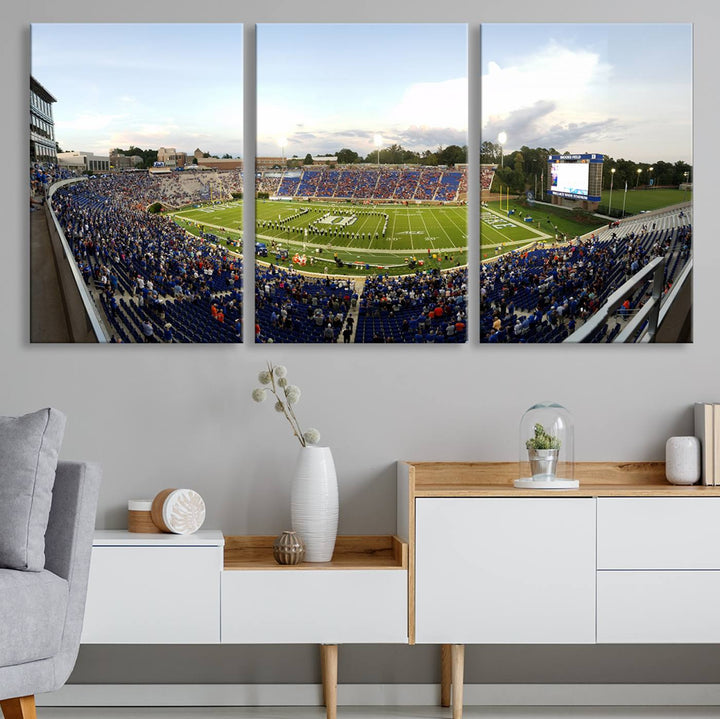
(314, 502)
(682, 460)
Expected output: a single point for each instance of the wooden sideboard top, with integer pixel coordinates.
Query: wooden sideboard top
(597, 479)
(351, 552)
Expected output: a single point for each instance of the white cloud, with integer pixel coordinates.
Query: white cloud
(433, 104)
(575, 81)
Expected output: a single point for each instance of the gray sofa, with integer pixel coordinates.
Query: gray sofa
(41, 613)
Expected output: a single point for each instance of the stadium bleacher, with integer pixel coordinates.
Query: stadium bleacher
(357, 183)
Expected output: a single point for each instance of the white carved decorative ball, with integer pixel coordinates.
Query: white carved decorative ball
(183, 511)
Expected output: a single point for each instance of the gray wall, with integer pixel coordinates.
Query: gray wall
(182, 416)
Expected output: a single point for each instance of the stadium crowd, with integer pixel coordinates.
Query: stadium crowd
(544, 295)
(424, 184)
(44, 174)
(425, 307)
(291, 307)
(154, 281)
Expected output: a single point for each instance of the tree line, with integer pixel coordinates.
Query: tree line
(527, 168)
(392, 155)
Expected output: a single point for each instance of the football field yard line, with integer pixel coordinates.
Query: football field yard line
(426, 230)
(520, 225)
(495, 236)
(463, 233)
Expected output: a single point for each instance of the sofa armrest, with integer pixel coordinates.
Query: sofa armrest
(68, 545)
(68, 539)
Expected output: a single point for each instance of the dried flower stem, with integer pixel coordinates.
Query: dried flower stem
(286, 407)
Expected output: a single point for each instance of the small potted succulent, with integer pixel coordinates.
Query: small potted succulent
(543, 451)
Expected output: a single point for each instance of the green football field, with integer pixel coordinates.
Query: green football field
(501, 233)
(366, 238)
(639, 200)
(229, 215)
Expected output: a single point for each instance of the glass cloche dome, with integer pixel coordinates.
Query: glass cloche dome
(547, 448)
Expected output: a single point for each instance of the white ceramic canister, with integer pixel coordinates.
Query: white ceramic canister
(682, 460)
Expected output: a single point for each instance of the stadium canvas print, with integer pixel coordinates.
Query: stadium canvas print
(586, 183)
(136, 182)
(361, 183)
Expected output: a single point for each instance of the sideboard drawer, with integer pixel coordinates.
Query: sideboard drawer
(153, 595)
(658, 607)
(658, 532)
(308, 606)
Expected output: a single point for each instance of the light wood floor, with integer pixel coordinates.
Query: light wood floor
(383, 713)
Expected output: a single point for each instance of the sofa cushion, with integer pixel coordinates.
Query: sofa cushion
(29, 447)
(32, 615)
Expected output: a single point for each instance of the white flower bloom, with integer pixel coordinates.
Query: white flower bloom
(312, 436)
(292, 393)
(282, 382)
(279, 406)
(280, 371)
(258, 394)
(264, 377)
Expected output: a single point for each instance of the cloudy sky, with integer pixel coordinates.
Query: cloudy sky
(322, 87)
(624, 90)
(149, 85)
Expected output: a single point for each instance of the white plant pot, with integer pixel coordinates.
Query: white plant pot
(314, 503)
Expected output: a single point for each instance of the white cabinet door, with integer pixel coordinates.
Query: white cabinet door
(505, 570)
(658, 532)
(658, 607)
(286, 606)
(153, 595)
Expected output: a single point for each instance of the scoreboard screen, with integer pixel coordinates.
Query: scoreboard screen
(575, 176)
(570, 178)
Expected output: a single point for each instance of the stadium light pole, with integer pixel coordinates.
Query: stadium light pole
(282, 142)
(378, 143)
(612, 179)
(637, 182)
(502, 139)
(650, 175)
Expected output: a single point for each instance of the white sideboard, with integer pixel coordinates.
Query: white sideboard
(204, 588)
(173, 589)
(627, 558)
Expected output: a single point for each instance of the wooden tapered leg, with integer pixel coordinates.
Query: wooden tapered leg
(322, 673)
(19, 708)
(458, 670)
(329, 660)
(445, 676)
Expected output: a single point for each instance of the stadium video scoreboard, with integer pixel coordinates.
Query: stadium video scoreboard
(577, 177)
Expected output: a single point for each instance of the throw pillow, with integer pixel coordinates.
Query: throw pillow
(29, 447)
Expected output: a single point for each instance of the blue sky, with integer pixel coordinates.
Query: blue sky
(151, 85)
(322, 87)
(621, 89)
